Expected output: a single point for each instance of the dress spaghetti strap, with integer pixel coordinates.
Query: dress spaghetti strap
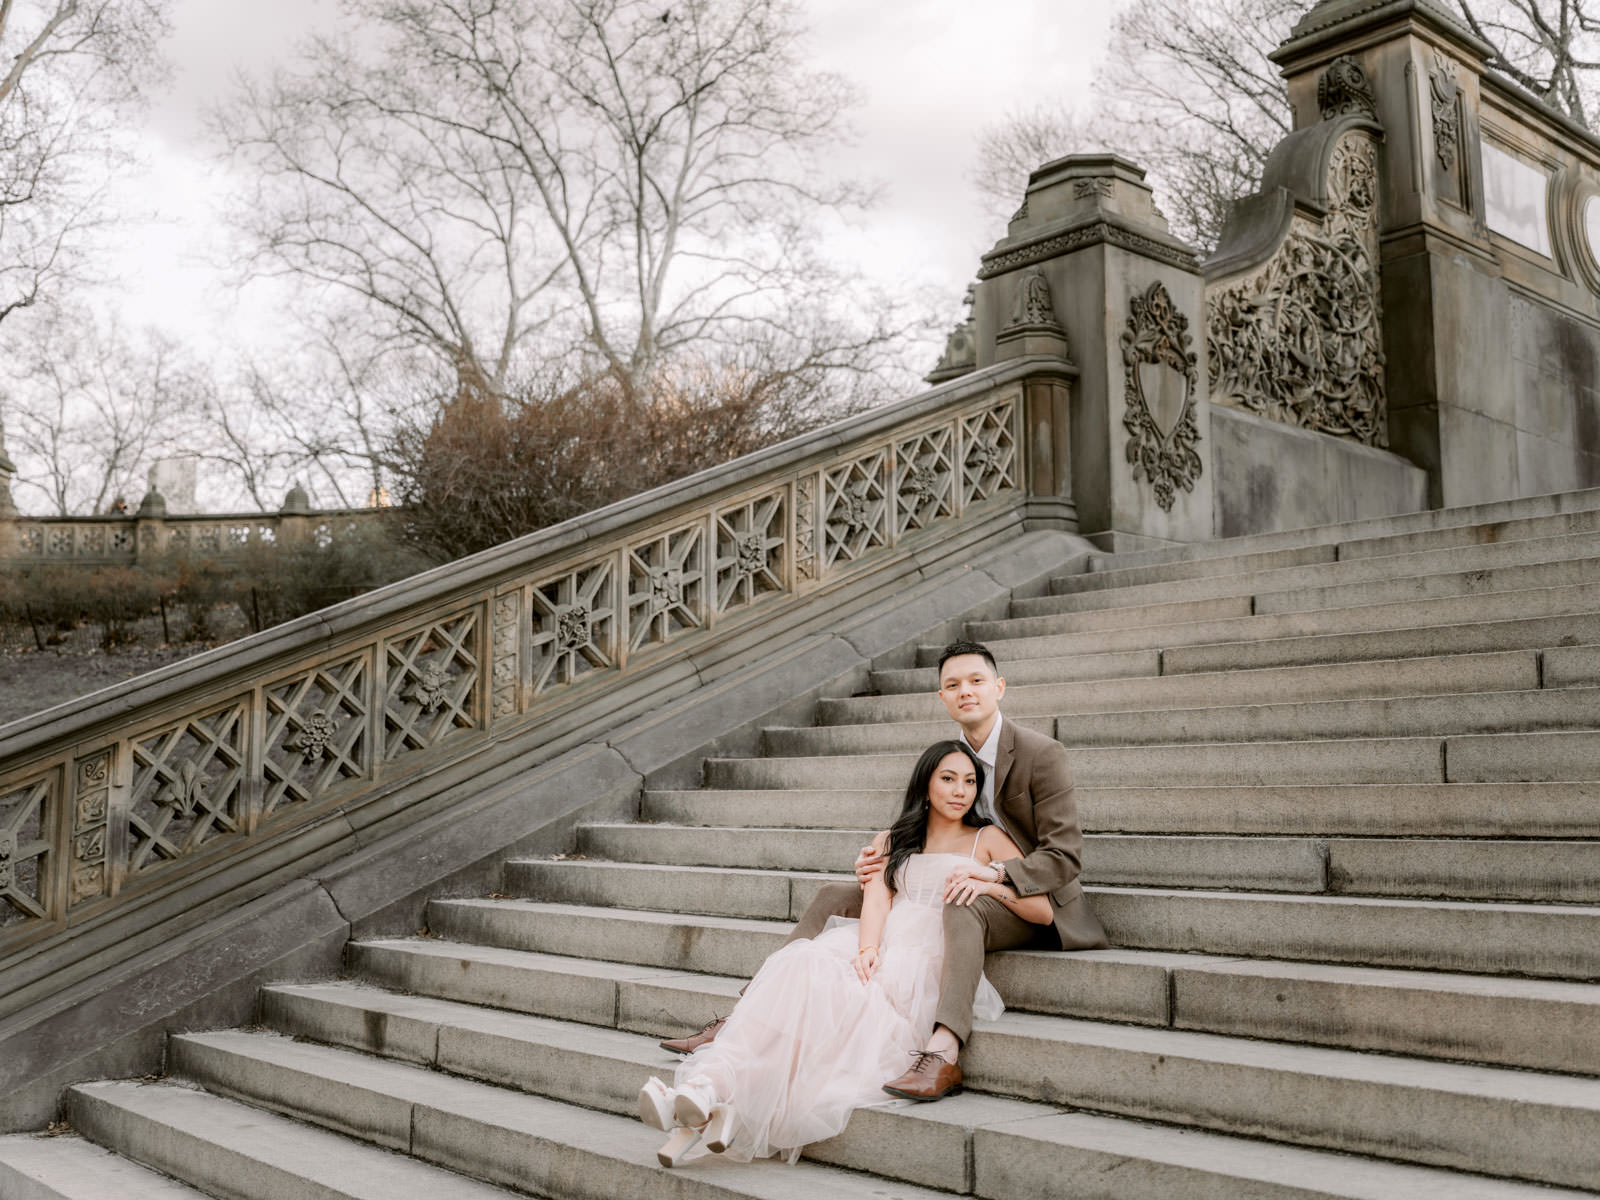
(973, 853)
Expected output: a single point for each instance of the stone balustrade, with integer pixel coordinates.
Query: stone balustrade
(111, 802)
(131, 540)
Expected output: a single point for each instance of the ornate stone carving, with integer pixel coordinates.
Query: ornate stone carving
(27, 812)
(188, 786)
(574, 628)
(666, 585)
(960, 346)
(1034, 306)
(1162, 433)
(1446, 112)
(751, 538)
(1086, 235)
(91, 803)
(575, 624)
(989, 453)
(855, 509)
(1082, 189)
(1300, 340)
(316, 732)
(504, 669)
(1344, 89)
(431, 681)
(805, 502)
(313, 738)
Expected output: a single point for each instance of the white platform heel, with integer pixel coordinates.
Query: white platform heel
(683, 1140)
(656, 1105)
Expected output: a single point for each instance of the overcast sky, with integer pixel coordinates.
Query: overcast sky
(932, 73)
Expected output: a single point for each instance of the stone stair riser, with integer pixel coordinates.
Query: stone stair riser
(1020, 672)
(1507, 672)
(1431, 587)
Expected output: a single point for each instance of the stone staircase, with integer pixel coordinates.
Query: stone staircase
(1341, 791)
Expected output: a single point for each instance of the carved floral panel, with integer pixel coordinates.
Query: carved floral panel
(27, 820)
(924, 479)
(988, 453)
(316, 733)
(666, 586)
(574, 624)
(805, 526)
(751, 541)
(188, 786)
(506, 665)
(1300, 339)
(855, 508)
(431, 681)
(91, 809)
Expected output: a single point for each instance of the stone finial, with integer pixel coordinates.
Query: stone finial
(297, 503)
(153, 506)
(960, 347)
(1033, 328)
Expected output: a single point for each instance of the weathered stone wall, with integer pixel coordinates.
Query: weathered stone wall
(1269, 476)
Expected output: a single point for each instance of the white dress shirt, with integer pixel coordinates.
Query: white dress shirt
(987, 753)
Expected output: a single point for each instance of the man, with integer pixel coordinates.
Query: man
(1027, 790)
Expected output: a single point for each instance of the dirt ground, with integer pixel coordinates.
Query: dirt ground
(32, 680)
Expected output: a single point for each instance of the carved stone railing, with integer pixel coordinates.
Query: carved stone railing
(116, 797)
(127, 541)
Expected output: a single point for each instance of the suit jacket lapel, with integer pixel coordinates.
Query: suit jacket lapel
(1004, 755)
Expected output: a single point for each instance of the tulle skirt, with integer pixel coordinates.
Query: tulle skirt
(808, 1042)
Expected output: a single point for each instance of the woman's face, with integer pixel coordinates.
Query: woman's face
(954, 786)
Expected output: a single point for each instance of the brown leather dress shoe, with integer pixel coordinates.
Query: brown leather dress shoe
(688, 1045)
(930, 1077)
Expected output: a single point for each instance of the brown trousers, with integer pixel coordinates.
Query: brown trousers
(970, 932)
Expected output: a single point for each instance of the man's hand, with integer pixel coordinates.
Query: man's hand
(966, 883)
(869, 865)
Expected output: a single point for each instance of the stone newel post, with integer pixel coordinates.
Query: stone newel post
(1089, 268)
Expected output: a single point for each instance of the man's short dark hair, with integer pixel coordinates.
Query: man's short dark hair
(956, 649)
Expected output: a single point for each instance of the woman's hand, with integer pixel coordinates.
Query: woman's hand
(869, 864)
(965, 884)
(866, 962)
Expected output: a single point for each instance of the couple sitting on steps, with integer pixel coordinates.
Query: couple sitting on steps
(984, 856)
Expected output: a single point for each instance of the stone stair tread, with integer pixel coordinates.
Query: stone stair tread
(1374, 1008)
(1022, 635)
(1448, 561)
(66, 1167)
(1468, 525)
(1553, 810)
(611, 1064)
(228, 1147)
(1427, 675)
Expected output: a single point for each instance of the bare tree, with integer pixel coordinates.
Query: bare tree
(72, 68)
(1188, 92)
(500, 179)
(88, 408)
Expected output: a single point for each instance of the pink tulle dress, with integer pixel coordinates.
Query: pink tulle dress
(809, 1041)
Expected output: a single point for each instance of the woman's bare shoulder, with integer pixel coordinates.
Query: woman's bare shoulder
(880, 841)
(993, 845)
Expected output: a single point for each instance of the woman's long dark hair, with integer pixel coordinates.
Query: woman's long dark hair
(909, 833)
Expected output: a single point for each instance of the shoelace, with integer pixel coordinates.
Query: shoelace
(921, 1059)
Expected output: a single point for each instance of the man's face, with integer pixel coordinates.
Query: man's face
(970, 690)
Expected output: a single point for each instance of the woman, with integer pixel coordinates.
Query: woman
(826, 1021)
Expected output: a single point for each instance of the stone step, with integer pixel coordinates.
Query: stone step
(1489, 810)
(1399, 761)
(1017, 671)
(1386, 538)
(1029, 633)
(1447, 1114)
(1415, 588)
(1557, 872)
(1540, 1024)
(1512, 670)
(1385, 716)
(1542, 940)
(58, 1166)
(1491, 558)
(236, 1150)
(508, 1143)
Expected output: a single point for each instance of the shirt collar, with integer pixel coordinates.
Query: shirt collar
(991, 745)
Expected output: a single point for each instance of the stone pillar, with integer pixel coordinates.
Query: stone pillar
(10, 538)
(150, 527)
(1451, 399)
(1089, 267)
(294, 518)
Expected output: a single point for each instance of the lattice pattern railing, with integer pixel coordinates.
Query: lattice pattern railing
(107, 809)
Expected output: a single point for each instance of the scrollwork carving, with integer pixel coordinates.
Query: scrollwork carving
(1446, 112)
(1161, 436)
(1344, 89)
(1300, 340)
